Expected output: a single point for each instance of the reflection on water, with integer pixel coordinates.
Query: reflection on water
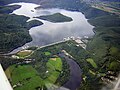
(51, 32)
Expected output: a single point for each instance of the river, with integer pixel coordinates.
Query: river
(75, 73)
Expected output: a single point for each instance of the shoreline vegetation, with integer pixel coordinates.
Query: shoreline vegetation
(100, 62)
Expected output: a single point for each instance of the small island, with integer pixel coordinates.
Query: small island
(55, 18)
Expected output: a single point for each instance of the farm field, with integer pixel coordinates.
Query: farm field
(28, 76)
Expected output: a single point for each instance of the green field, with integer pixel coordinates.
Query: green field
(91, 61)
(54, 69)
(47, 53)
(25, 75)
(24, 53)
(56, 62)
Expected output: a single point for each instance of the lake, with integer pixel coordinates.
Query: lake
(53, 32)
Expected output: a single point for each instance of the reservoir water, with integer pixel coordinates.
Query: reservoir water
(53, 32)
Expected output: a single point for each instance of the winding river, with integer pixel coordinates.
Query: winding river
(53, 32)
(75, 73)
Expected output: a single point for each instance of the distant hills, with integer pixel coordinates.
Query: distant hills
(2, 2)
(112, 0)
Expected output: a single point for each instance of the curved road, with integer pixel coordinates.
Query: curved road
(75, 74)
